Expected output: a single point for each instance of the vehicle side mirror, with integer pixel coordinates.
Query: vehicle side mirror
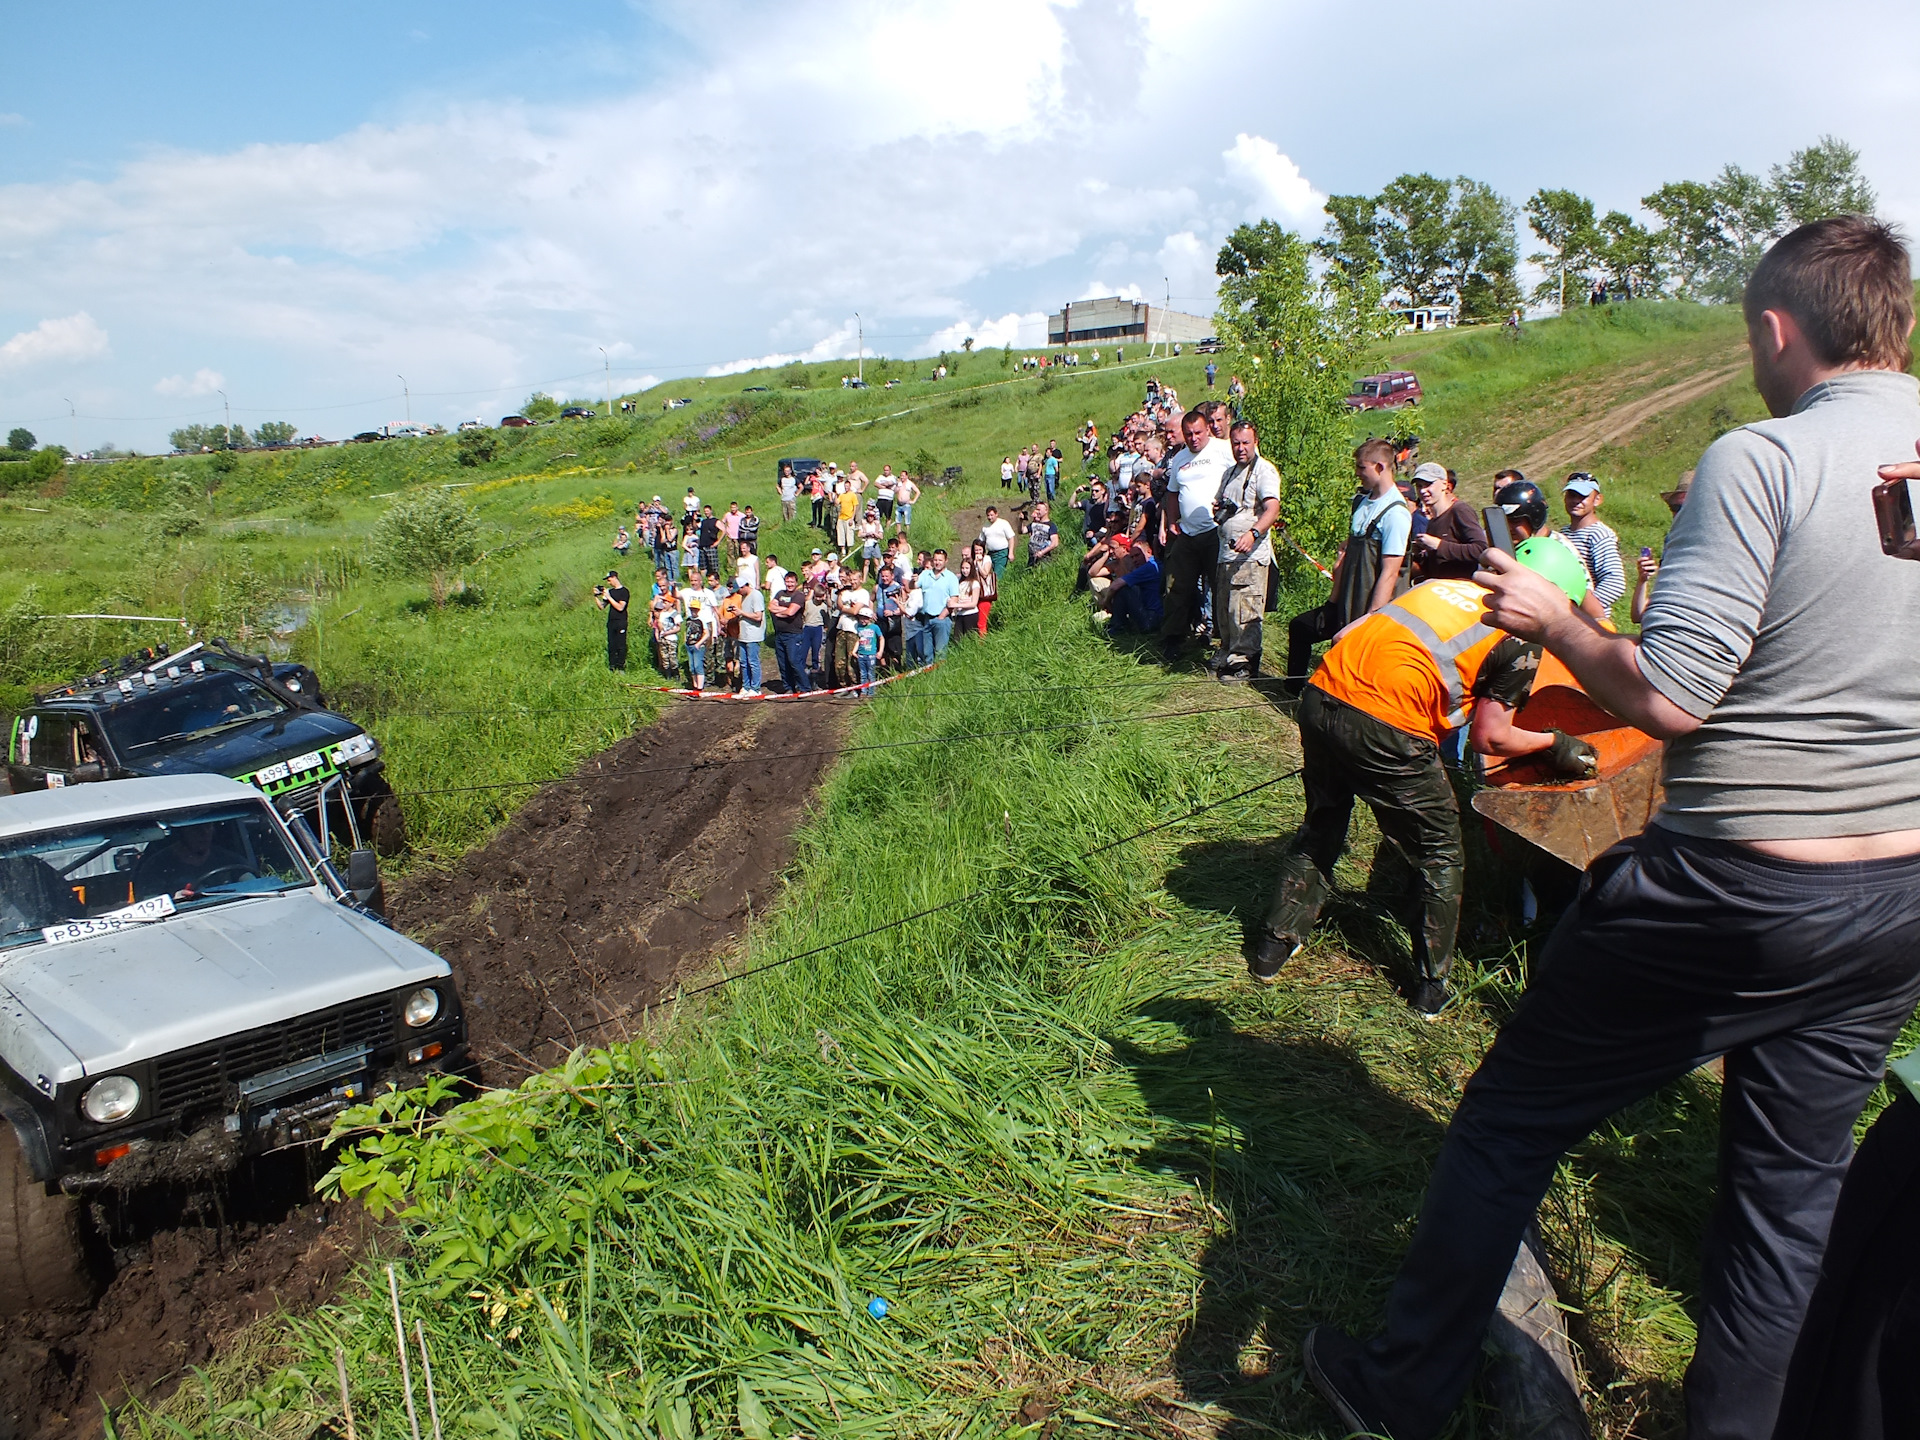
(363, 871)
(88, 773)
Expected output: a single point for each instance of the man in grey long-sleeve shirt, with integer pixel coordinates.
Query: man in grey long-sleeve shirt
(1770, 915)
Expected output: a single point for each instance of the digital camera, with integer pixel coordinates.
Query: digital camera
(1894, 507)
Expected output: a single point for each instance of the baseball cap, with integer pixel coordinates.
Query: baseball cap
(1429, 473)
(1581, 483)
(816, 549)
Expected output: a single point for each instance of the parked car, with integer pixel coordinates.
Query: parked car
(1384, 391)
(186, 983)
(675, 404)
(211, 709)
(366, 437)
(409, 431)
(579, 412)
(474, 424)
(802, 468)
(754, 390)
(1209, 346)
(514, 422)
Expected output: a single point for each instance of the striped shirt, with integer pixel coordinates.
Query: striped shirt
(1599, 550)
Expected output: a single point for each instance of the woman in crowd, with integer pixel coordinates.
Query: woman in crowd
(817, 492)
(813, 652)
(966, 602)
(872, 531)
(989, 582)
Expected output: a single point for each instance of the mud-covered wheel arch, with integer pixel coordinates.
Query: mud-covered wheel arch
(44, 1262)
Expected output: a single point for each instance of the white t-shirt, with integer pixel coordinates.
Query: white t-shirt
(998, 534)
(885, 485)
(852, 601)
(749, 570)
(1006, 471)
(777, 578)
(691, 505)
(1194, 480)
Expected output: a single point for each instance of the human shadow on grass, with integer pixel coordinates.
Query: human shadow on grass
(1236, 878)
(1312, 1172)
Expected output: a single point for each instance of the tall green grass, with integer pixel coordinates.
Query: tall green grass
(1092, 1172)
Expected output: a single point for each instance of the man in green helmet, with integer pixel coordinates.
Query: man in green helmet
(1371, 723)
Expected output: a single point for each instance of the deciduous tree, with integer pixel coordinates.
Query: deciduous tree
(1564, 222)
(20, 439)
(1415, 234)
(431, 533)
(1295, 339)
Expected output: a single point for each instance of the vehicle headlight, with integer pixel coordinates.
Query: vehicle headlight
(111, 1099)
(354, 747)
(422, 1007)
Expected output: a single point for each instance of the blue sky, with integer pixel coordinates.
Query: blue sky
(299, 205)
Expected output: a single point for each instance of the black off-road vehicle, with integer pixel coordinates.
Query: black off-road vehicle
(211, 709)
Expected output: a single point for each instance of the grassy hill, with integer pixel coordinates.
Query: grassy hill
(1099, 1181)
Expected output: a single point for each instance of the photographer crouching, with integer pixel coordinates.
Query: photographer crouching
(613, 598)
(1770, 913)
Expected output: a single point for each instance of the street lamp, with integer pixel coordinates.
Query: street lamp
(408, 396)
(73, 430)
(229, 409)
(609, 365)
(860, 367)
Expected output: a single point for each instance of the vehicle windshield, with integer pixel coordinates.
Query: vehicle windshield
(182, 860)
(177, 713)
(1366, 387)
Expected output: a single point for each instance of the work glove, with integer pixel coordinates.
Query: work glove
(1573, 757)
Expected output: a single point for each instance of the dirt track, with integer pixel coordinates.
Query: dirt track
(588, 906)
(1581, 439)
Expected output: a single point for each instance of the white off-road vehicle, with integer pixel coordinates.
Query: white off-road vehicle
(185, 983)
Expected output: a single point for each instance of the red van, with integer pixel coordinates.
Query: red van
(1384, 391)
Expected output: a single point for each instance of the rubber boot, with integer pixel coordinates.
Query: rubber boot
(1297, 897)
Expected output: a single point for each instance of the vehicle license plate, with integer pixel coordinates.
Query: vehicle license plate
(156, 908)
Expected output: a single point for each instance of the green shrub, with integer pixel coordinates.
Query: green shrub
(431, 533)
(475, 447)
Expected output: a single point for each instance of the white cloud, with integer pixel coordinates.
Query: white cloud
(12, 118)
(201, 382)
(77, 337)
(842, 344)
(1274, 184)
(1100, 290)
(1013, 328)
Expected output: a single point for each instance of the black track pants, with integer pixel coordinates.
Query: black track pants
(1677, 950)
(1347, 755)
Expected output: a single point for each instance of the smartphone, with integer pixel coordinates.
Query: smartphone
(1894, 508)
(1646, 552)
(1499, 536)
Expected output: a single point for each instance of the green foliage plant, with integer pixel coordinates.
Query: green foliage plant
(540, 406)
(476, 447)
(1295, 340)
(20, 440)
(431, 533)
(274, 432)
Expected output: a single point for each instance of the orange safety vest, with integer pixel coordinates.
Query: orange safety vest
(1412, 664)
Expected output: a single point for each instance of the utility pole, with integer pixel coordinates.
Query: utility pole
(408, 396)
(73, 430)
(229, 409)
(860, 366)
(609, 364)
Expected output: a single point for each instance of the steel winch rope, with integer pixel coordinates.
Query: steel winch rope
(955, 903)
(581, 779)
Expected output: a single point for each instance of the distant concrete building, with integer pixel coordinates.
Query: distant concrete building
(1425, 317)
(1113, 321)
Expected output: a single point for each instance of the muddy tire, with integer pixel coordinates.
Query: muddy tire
(385, 824)
(43, 1254)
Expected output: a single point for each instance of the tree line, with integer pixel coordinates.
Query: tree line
(219, 437)
(1424, 240)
